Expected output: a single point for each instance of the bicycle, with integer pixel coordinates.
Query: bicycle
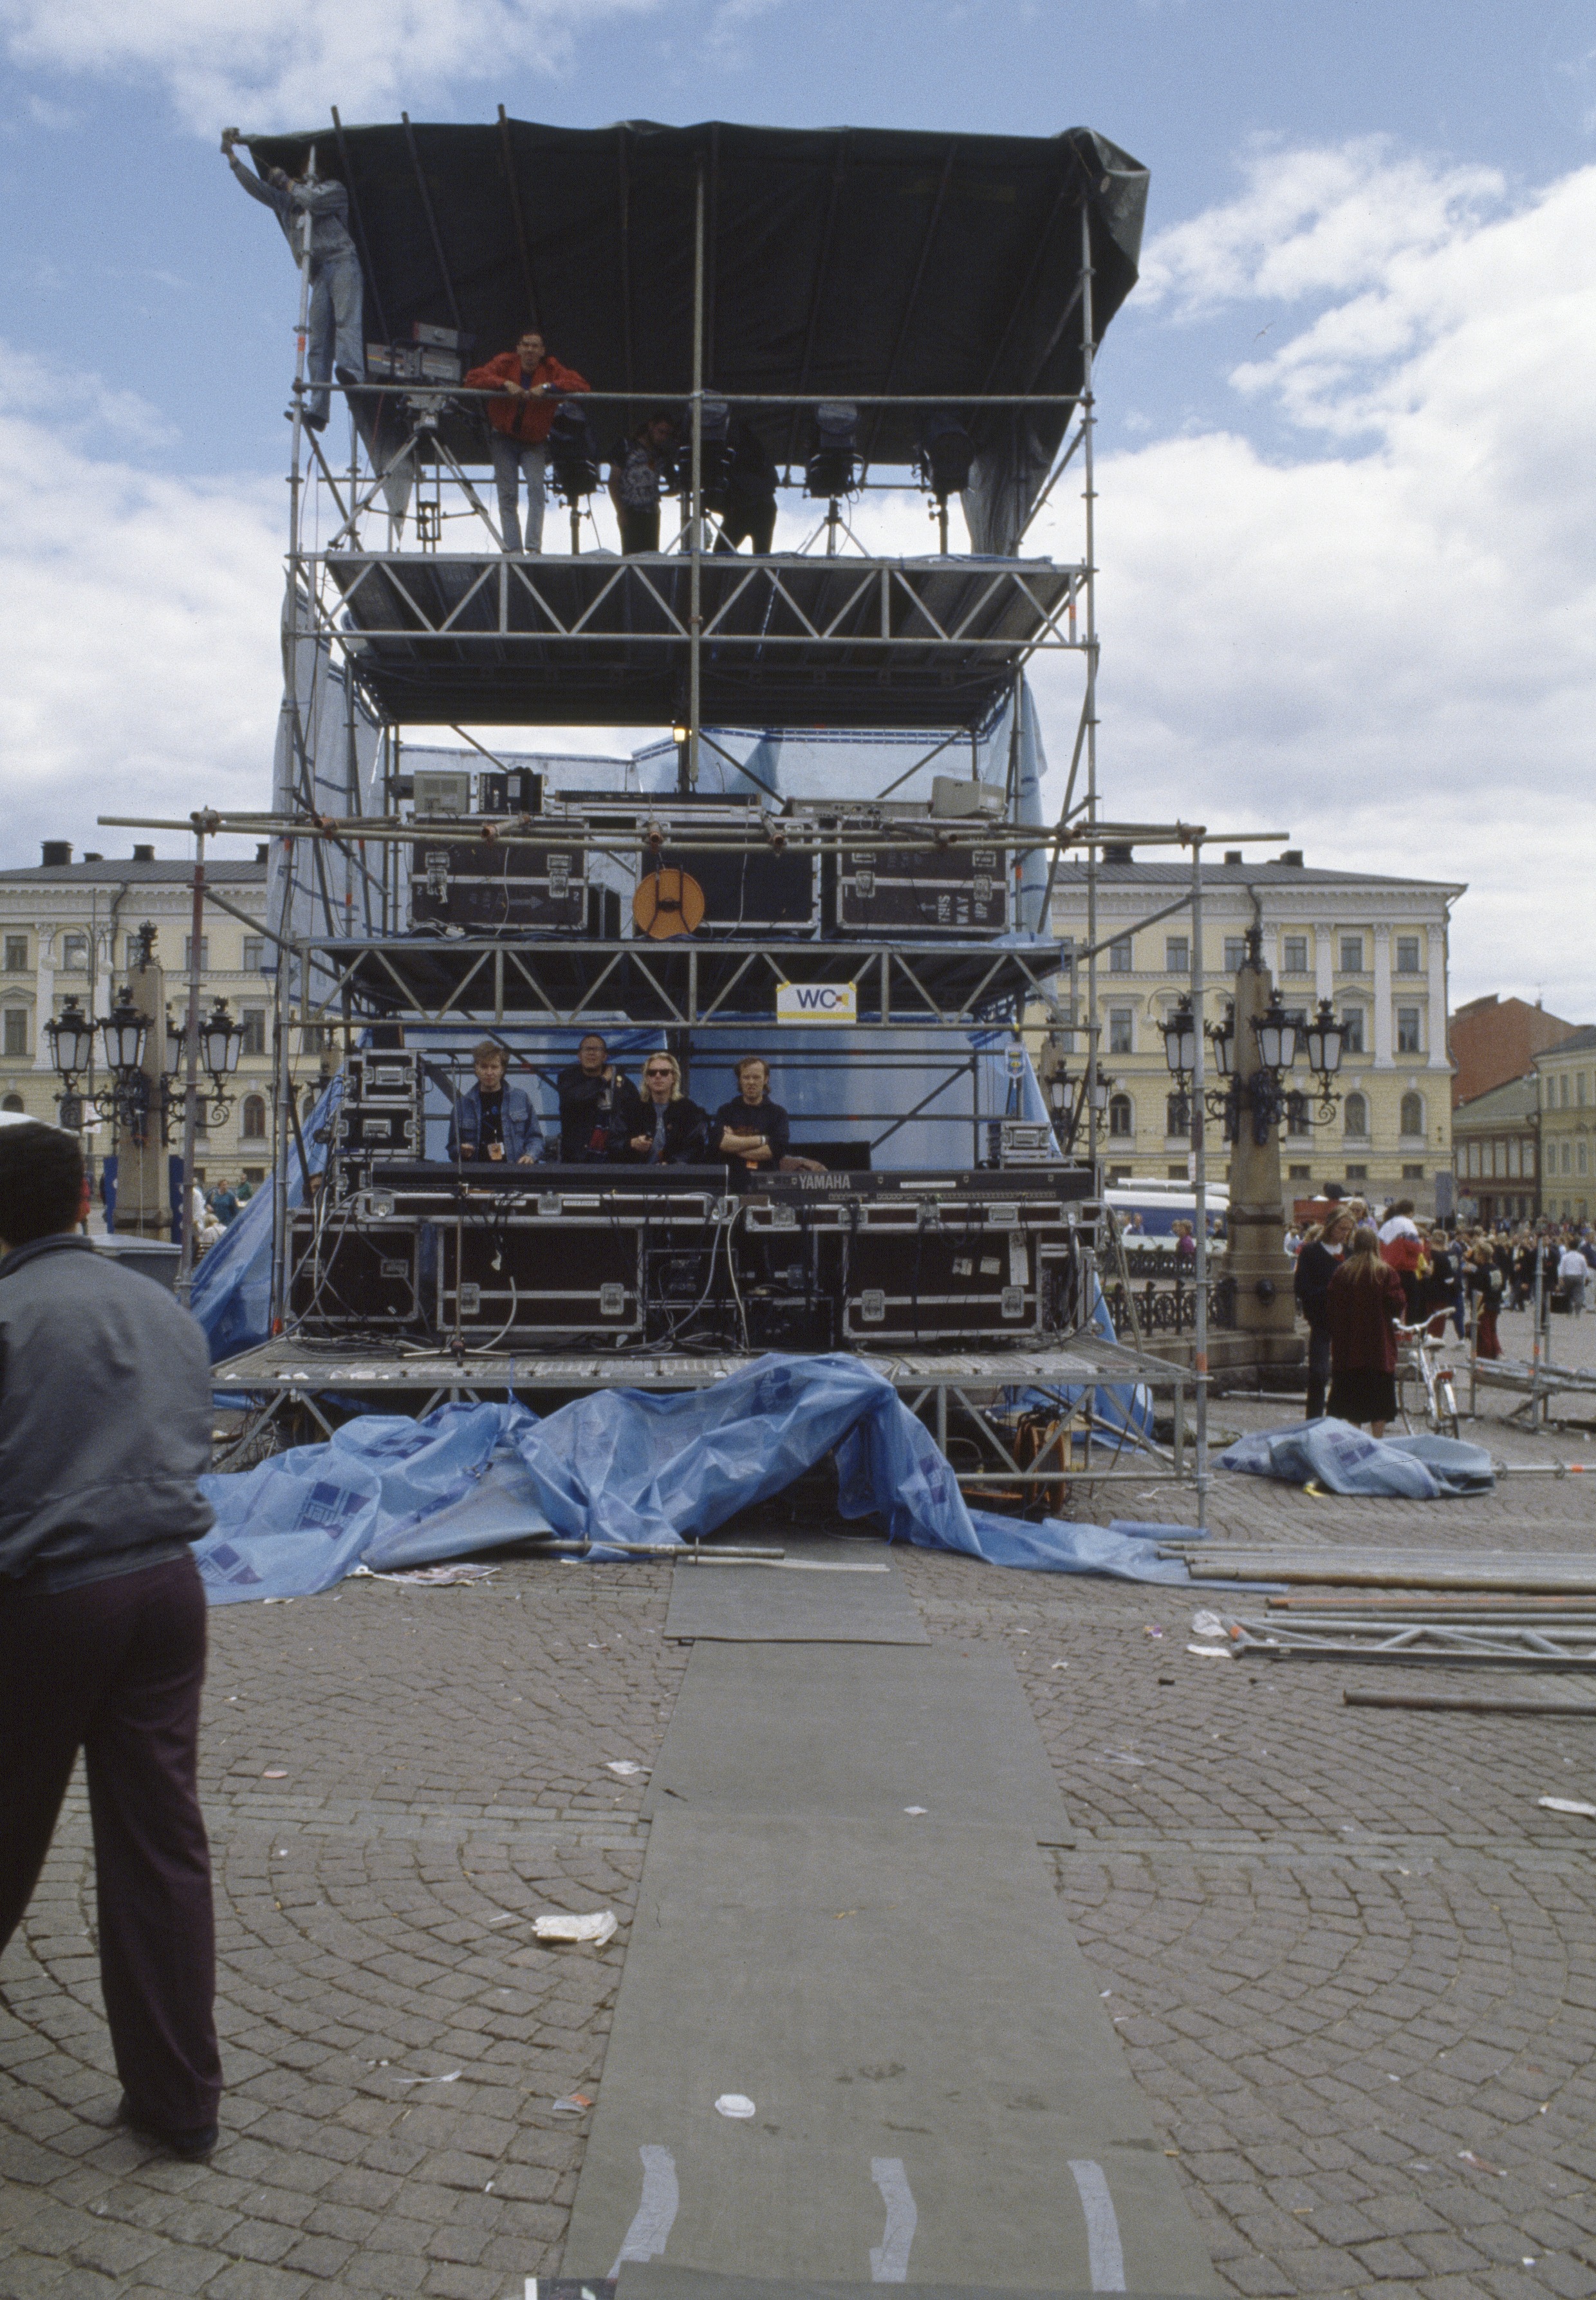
(1421, 1357)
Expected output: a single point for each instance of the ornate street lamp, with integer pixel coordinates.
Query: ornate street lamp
(71, 1037)
(1277, 1036)
(124, 1031)
(1180, 1040)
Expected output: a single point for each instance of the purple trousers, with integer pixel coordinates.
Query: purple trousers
(114, 1668)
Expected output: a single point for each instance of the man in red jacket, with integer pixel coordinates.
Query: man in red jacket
(527, 385)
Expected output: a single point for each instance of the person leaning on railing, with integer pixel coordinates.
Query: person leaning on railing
(527, 385)
(337, 293)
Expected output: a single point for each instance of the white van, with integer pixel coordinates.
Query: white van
(1147, 1211)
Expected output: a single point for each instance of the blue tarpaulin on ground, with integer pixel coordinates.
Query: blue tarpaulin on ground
(1348, 1461)
(618, 1466)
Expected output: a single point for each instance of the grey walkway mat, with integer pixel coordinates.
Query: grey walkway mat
(652, 2280)
(857, 1731)
(795, 1602)
(939, 2096)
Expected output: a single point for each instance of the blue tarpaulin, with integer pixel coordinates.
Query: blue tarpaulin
(1345, 1459)
(619, 1466)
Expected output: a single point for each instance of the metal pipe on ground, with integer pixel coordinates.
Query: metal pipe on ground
(1469, 1705)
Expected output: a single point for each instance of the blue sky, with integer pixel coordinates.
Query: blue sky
(1347, 417)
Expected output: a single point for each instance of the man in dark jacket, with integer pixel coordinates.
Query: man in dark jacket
(104, 1430)
(492, 1120)
(599, 1106)
(1317, 1265)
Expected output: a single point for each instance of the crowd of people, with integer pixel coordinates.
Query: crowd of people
(1362, 1277)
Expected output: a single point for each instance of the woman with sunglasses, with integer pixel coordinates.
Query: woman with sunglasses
(672, 1131)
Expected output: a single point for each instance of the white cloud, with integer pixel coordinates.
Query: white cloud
(1325, 218)
(278, 64)
(1385, 644)
(143, 669)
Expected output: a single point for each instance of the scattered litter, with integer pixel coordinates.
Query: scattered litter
(275, 1773)
(1205, 1623)
(573, 2105)
(595, 1930)
(735, 2103)
(452, 2077)
(428, 1576)
(1123, 1757)
(916, 1808)
(1568, 1804)
(624, 1767)
(1060, 1665)
(1467, 2156)
(1150, 1631)
(1210, 1653)
(506, 1916)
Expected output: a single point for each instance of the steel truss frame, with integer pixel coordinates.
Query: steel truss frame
(898, 612)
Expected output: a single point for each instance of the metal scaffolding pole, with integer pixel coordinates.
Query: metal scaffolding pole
(1089, 708)
(695, 500)
(191, 1065)
(1199, 1195)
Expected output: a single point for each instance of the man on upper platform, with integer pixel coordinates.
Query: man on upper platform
(527, 385)
(491, 1119)
(337, 293)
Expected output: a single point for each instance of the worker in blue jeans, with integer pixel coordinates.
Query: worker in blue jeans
(338, 292)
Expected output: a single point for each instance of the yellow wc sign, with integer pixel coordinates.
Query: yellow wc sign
(816, 1002)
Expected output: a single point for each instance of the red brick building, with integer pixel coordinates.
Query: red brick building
(1494, 1040)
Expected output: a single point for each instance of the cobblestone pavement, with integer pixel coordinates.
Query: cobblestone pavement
(1353, 1961)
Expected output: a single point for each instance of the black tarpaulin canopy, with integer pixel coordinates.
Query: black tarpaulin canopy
(846, 261)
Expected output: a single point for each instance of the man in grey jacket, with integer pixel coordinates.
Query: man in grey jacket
(104, 1430)
(338, 294)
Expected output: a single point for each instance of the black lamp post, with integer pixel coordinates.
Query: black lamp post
(71, 1037)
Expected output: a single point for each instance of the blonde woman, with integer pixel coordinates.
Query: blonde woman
(672, 1131)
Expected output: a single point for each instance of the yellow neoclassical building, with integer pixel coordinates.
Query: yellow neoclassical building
(1565, 1083)
(1376, 947)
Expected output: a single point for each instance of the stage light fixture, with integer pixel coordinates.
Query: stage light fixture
(833, 458)
(946, 452)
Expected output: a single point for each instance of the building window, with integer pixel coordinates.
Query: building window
(1354, 1116)
(205, 952)
(1565, 1090)
(1177, 1116)
(253, 1126)
(1177, 955)
(1579, 1158)
(1122, 1118)
(1119, 955)
(16, 1033)
(1296, 1114)
(1408, 1031)
(1351, 1029)
(1356, 1173)
(1293, 957)
(1406, 953)
(1567, 1158)
(1529, 1162)
(1412, 1120)
(1351, 954)
(1120, 1030)
(1235, 954)
(16, 954)
(1413, 1173)
(313, 1038)
(254, 1019)
(1515, 1152)
(14, 1102)
(1176, 1173)
(1579, 1089)
(254, 954)
(1298, 1173)
(74, 953)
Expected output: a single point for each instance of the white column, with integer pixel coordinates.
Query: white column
(1324, 961)
(1438, 1014)
(45, 1007)
(1383, 998)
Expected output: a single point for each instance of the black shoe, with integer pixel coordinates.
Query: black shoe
(194, 2144)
